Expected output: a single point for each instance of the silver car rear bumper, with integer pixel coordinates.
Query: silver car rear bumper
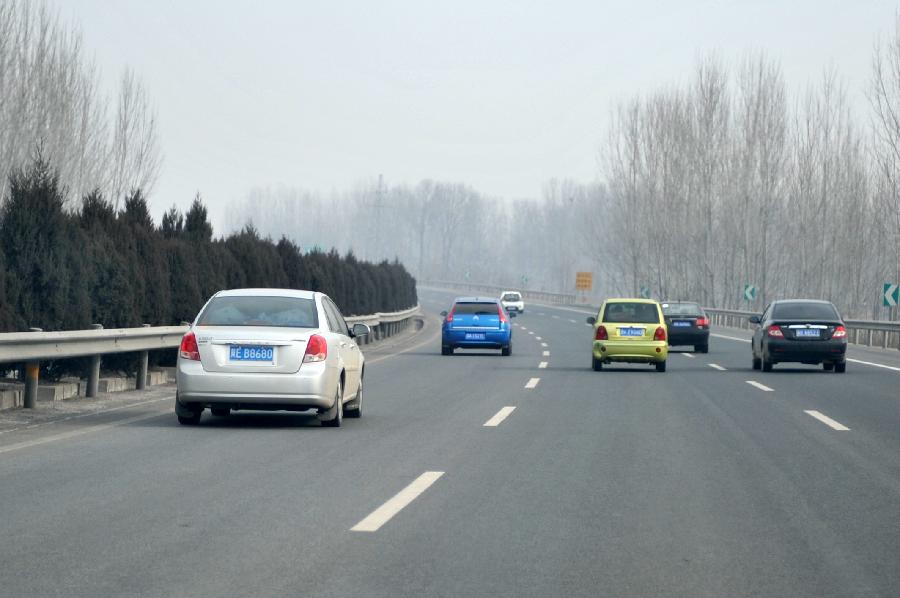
(314, 386)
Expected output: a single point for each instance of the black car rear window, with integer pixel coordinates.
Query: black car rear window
(800, 310)
(682, 309)
(284, 312)
(476, 308)
(631, 313)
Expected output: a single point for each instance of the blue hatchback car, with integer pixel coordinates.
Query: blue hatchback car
(476, 323)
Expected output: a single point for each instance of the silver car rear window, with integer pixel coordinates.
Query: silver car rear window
(282, 312)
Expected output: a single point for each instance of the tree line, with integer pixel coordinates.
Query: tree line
(726, 180)
(64, 269)
(51, 97)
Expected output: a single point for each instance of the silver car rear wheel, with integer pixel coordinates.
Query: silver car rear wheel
(335, 415)
(354, 407)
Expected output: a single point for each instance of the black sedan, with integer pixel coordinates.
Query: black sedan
(800, 331)
(687, 324)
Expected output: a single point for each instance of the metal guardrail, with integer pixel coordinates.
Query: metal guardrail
(33, 347)
(861, 332)
(495, 291)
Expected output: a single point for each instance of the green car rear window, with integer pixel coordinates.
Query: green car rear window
(631, 313)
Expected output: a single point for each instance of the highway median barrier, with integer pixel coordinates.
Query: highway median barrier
(30, 349)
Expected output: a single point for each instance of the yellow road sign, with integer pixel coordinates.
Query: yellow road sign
(584, 281)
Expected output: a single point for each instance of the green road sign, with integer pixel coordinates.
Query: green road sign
(524, 280)
(467, 275)
(750, 292)
(891, 294)
(645, 292)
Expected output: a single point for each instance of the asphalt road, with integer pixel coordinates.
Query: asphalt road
(625, 482)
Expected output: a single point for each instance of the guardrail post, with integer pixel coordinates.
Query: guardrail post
(93, 377)
(32, 375)
(143, 357)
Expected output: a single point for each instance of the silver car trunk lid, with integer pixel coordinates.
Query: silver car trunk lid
(252, 349)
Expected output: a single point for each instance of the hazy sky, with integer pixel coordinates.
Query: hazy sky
(501, 95)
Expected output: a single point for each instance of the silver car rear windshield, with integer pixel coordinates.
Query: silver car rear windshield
(631, 313)
(282, 312)
(804, 311)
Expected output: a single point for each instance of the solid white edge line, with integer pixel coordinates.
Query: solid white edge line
(874, 365)
(89, 414)
(716, 366)
(731, 338)
(75, 433)
(386, 512)
(499, 417)
(546, 354)
(762, 387)
(542, 365)
(532, 383)
(826, 420)
(850, 359)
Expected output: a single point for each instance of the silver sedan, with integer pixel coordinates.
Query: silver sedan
(273, 350)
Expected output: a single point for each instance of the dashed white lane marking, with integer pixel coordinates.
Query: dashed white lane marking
(546, 353)
(540, 313)
(573, 321)
(874, 365)
(523, 328)
(531, 332)
(499, 417)
(687, 355)
(555, 317)
(762, 387)
(532, 383)
(386, 512)
(542, 365)
(716, 366)
(65, 435)
(543, 344)
(731, 338)
(588, 325)
(537, 338)
(827, 420)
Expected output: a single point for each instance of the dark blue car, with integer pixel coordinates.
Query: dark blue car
(476, 323)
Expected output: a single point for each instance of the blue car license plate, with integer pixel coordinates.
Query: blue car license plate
(631, 332)
(681, 324)
(474, 336)
(807, 332)
(251, 353)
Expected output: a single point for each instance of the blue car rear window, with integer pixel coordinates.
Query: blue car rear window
(476, 308)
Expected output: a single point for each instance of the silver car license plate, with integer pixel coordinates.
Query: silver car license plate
(251, 353)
